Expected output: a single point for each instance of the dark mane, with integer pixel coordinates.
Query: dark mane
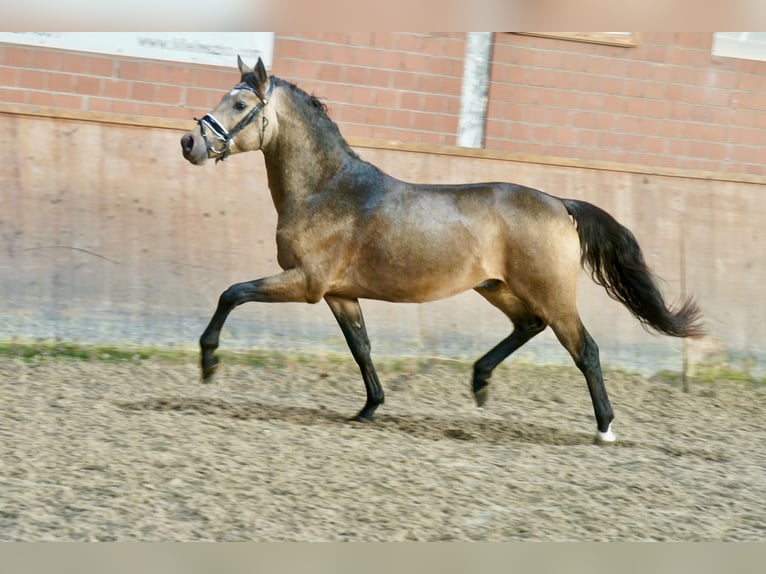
(318, 116)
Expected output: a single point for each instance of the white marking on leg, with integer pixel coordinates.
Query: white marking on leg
(607, 436)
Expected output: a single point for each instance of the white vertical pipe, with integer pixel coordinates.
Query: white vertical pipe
(473, 93)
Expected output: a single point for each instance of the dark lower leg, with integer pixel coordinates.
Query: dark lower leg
(482, 369)
(590, 366)
(348, 313)
(209, 340)
(286, 286)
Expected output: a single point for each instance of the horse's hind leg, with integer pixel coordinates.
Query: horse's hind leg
(576, 339)
(525, 326)
(349, 316)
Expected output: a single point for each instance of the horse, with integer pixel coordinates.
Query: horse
(346, 231)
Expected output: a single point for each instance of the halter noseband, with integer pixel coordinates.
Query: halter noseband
(208, 121)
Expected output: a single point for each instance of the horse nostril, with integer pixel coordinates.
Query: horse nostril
(187, 143)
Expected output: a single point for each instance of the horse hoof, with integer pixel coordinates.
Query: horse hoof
(605, 438)
(481, 396)
(361, 418)
(208, 372)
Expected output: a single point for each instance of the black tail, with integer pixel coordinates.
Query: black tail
(616, 263)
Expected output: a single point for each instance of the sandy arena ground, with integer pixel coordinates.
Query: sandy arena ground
(141, 450)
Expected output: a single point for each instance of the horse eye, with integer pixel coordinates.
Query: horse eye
(240, 105)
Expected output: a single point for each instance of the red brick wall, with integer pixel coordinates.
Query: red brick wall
(397, 86)
(91, 82)
(667, 102)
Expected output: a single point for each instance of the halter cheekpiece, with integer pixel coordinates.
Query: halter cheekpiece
(208, 121)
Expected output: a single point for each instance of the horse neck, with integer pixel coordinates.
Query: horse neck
(301, 160)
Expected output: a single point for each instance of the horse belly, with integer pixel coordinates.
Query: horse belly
(423, 269)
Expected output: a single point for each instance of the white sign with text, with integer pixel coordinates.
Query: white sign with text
(211, 48)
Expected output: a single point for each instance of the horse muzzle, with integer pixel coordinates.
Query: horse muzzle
(194, 148)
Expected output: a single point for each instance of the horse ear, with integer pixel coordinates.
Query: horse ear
(243, 68)
(261, 76)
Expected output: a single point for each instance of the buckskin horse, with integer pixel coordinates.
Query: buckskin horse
(348, 231)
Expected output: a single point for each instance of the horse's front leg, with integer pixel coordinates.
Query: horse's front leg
(349, 316)
(289, 286)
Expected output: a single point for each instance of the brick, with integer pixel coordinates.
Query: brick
(587, 138)
(355, 130)
(36, 98)
(408, 42)
(46, 59)
(392, 60)
(143, 91)
(558, 116)
(117, 89)
(382, 132)
(180, 113)
(584, 119)
(377, 116)
(152, 110)
(411, 101)
(88, 85)
(454, 47)
(453, 107)
(677, 92)
(401, 118)
(128, 70)
(17, 57)
(75, 63)
(353, 113)
(336, 92)
(98, 105)
(589, 101)
(342, 55)
(610, 140)
(124, 107)
(677, 147)
(213, 79)
(667, 38)
(536, 115)
(197, 98)
(678, 74)
(668, 74)
(657, 108)
(170, 95)
(366, 57)
(751, 82)
(331, 72)
(654, 90)
(180, 75)
(361, 95)
(8, 76)
(434, 103)
(632, 88)
(404, 81)
(634, 106)
(383, 40)
(496, 130)
(61, 82)
(379, 78)
(103, 67)
(565, 136)
(12, 96)
(33, 79)
(423, 121)
(359, 38)
(291, 48)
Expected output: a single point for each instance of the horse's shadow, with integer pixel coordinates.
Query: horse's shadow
(428, 427)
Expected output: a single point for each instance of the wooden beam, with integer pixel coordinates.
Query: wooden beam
(359, 142)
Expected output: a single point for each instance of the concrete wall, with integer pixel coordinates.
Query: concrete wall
(108, 235)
